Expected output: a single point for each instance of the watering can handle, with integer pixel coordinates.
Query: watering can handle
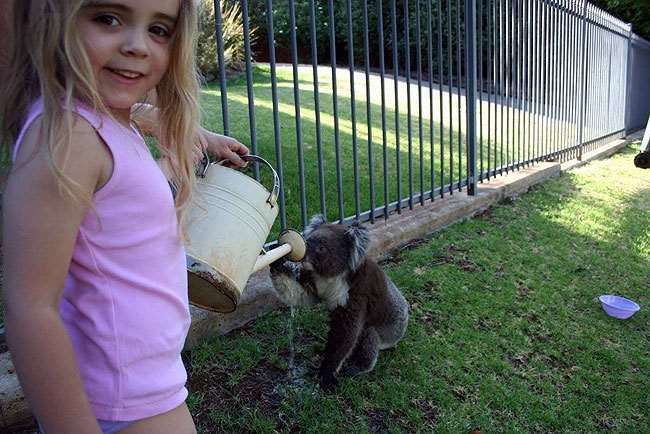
(273, 197)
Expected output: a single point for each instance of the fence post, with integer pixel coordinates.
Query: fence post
(222, 66)
(583, 77)
(628, 82)
(470, 26)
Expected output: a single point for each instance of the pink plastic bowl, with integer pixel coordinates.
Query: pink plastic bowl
(618, 307)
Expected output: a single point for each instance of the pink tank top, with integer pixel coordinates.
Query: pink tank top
(124, 302)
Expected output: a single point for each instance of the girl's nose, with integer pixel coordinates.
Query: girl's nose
(135, 44)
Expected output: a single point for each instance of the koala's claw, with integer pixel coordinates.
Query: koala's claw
(327, 381)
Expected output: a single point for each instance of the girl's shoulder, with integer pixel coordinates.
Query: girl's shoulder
(84, 157)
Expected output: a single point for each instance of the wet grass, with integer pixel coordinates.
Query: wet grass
(506, 335)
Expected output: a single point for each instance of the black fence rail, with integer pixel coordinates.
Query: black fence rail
(412, 100)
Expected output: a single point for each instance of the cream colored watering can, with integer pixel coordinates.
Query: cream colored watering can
(227, 227)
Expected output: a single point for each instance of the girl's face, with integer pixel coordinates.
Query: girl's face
(128, 43)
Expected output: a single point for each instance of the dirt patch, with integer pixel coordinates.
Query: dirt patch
(458, 258)
(377, 421)
(429, 410)
(262, 389)
(395, 255)
(488, 216)
(259, 385)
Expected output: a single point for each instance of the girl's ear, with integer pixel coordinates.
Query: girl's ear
(316, 221)
(360, 240)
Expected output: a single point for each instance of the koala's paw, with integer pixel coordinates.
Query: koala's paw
(327, 381)
(279, 267)
(289, 291)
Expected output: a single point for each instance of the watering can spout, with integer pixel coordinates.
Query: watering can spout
(292, 245)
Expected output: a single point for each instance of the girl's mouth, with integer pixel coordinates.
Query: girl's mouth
(125, 75)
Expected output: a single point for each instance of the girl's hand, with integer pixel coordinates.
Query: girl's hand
(222, 147)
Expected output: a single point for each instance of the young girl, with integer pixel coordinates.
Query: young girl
(95, 287)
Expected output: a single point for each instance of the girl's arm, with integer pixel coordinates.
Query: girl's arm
(222, 147)
(40, 228)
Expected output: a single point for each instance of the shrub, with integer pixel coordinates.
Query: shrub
(233, 39)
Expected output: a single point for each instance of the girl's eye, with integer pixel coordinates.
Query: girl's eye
(159, 31)
(109, 20)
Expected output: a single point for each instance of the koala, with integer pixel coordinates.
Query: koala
(367, 312)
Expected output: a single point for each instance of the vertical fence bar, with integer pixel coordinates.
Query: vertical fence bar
(319, 141)
(479, 32)
(565, 78)
(607, 69)
(508, 79)
(554, 80)
(516, 120)
(249, 85)
(551, 79)
(628, 87)
(561, 78)
(441, 101)
(545, 81)
(366, 48)
(393, 18)
(536, 80)
(418, 49)
(583, 78)
(353, 109)
(430, 71)
(276, 113)
(490, 46)
(451, 106)
(527, 80)
(382, 68)
(571, 77)
(470, 50)
(222, 67)
(523, 95)
(459, 80)
(575, 24)
(337, 144)
(407, 63)
(507, 47)
(496, 46)
(501, 86)
(296, 103)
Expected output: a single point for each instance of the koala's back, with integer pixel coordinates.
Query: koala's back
(388, 310)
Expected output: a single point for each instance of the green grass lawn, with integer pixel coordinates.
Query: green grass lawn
(506, 333)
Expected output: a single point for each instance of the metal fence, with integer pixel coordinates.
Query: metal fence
(439, 96)
(638, 84)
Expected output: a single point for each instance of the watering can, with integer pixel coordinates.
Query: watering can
(227, 227)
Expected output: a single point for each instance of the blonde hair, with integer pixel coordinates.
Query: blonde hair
(47, 59)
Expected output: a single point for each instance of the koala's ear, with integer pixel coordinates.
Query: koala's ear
(316, 221)
(360, 239)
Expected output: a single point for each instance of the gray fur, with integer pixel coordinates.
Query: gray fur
(360, 241)
(368, 313)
